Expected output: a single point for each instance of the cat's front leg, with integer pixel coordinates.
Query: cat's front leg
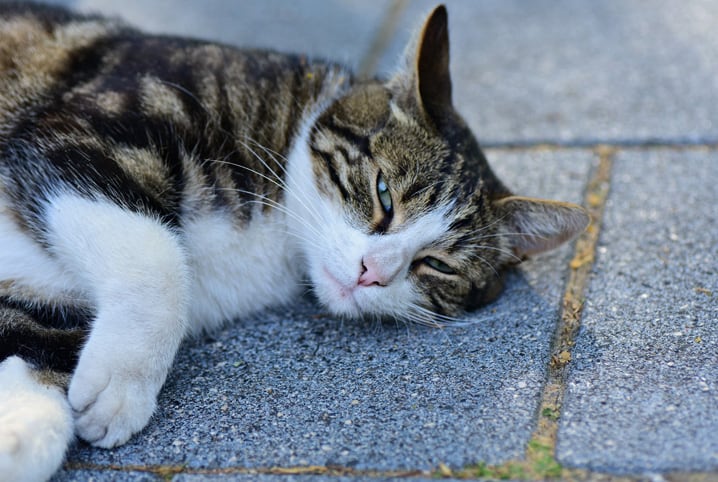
(134, 269)
(121, 370)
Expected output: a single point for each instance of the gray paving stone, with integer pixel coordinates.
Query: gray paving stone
(643, 388)
(293, 390)
(341, 30)
(98, 475)
(581, 70)
(122, 476)
(298, 387)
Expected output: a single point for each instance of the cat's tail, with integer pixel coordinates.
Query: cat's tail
(36, 425)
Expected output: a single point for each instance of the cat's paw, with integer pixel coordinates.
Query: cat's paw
(112, 401)
(35, 424)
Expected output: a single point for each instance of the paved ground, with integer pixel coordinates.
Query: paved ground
(601, 360)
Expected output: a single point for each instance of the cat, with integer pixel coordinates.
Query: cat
(154, 187)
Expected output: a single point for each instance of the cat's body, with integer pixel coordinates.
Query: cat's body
(154, 187)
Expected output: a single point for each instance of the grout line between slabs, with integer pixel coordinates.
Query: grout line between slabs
(167, 472)
(544, 438)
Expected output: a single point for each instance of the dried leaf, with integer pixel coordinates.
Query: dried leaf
(564, 357)
(704, 291)
(444, 470)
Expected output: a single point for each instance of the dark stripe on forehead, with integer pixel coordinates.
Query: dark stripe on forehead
(331, 170)
(345, 155)
(358, 141)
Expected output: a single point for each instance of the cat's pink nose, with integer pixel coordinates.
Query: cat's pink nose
(372, 274)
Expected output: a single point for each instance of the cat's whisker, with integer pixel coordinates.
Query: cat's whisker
(257, 156)
(249, 169)
(487, 226)
(488, 263)
(274, 155)
(443, 320)
(425, 313)
(301, 197)
(266, 201)
(281, 182)
(418, 315)
(507, 252)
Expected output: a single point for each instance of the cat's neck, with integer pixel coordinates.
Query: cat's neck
(257, 105)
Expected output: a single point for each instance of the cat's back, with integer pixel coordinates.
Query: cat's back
(51, 55)
(110, 109)
(38, 46)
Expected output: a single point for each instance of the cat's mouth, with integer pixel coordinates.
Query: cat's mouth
(339, 297)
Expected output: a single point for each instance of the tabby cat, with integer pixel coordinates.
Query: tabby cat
(153, 187)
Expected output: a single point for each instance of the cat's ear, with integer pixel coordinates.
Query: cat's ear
(425, 75)
(432, 77)
(535, 225)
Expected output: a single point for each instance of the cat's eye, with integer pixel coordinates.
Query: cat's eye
(382, 191)
(438, 265)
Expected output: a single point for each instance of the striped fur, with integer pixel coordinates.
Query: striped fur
(152, 187)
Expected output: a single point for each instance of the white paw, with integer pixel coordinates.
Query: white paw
(112, 401)
(35, 424)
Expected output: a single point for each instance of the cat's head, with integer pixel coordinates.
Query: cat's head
(404, 217)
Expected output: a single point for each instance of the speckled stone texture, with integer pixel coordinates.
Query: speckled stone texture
(577, 71)
(643, 390)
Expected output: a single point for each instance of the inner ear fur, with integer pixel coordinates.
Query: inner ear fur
(534, 226)
(424, 82)
(432, 75)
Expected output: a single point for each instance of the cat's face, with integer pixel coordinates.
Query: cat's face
(404, 217)
(406, 225)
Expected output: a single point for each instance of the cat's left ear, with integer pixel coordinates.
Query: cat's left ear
(535, 225)
(433, 79)
(426, 75)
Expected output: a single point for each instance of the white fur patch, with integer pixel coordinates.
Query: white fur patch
(238, 270)
(25, 263)
(35, 425)
(134, 270)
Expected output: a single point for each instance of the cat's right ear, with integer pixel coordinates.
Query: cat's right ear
(536, 225)
(425, 76)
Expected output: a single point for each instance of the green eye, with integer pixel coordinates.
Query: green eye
(382, 190)
(439, 266)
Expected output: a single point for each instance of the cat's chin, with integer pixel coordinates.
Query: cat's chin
(337, 296)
